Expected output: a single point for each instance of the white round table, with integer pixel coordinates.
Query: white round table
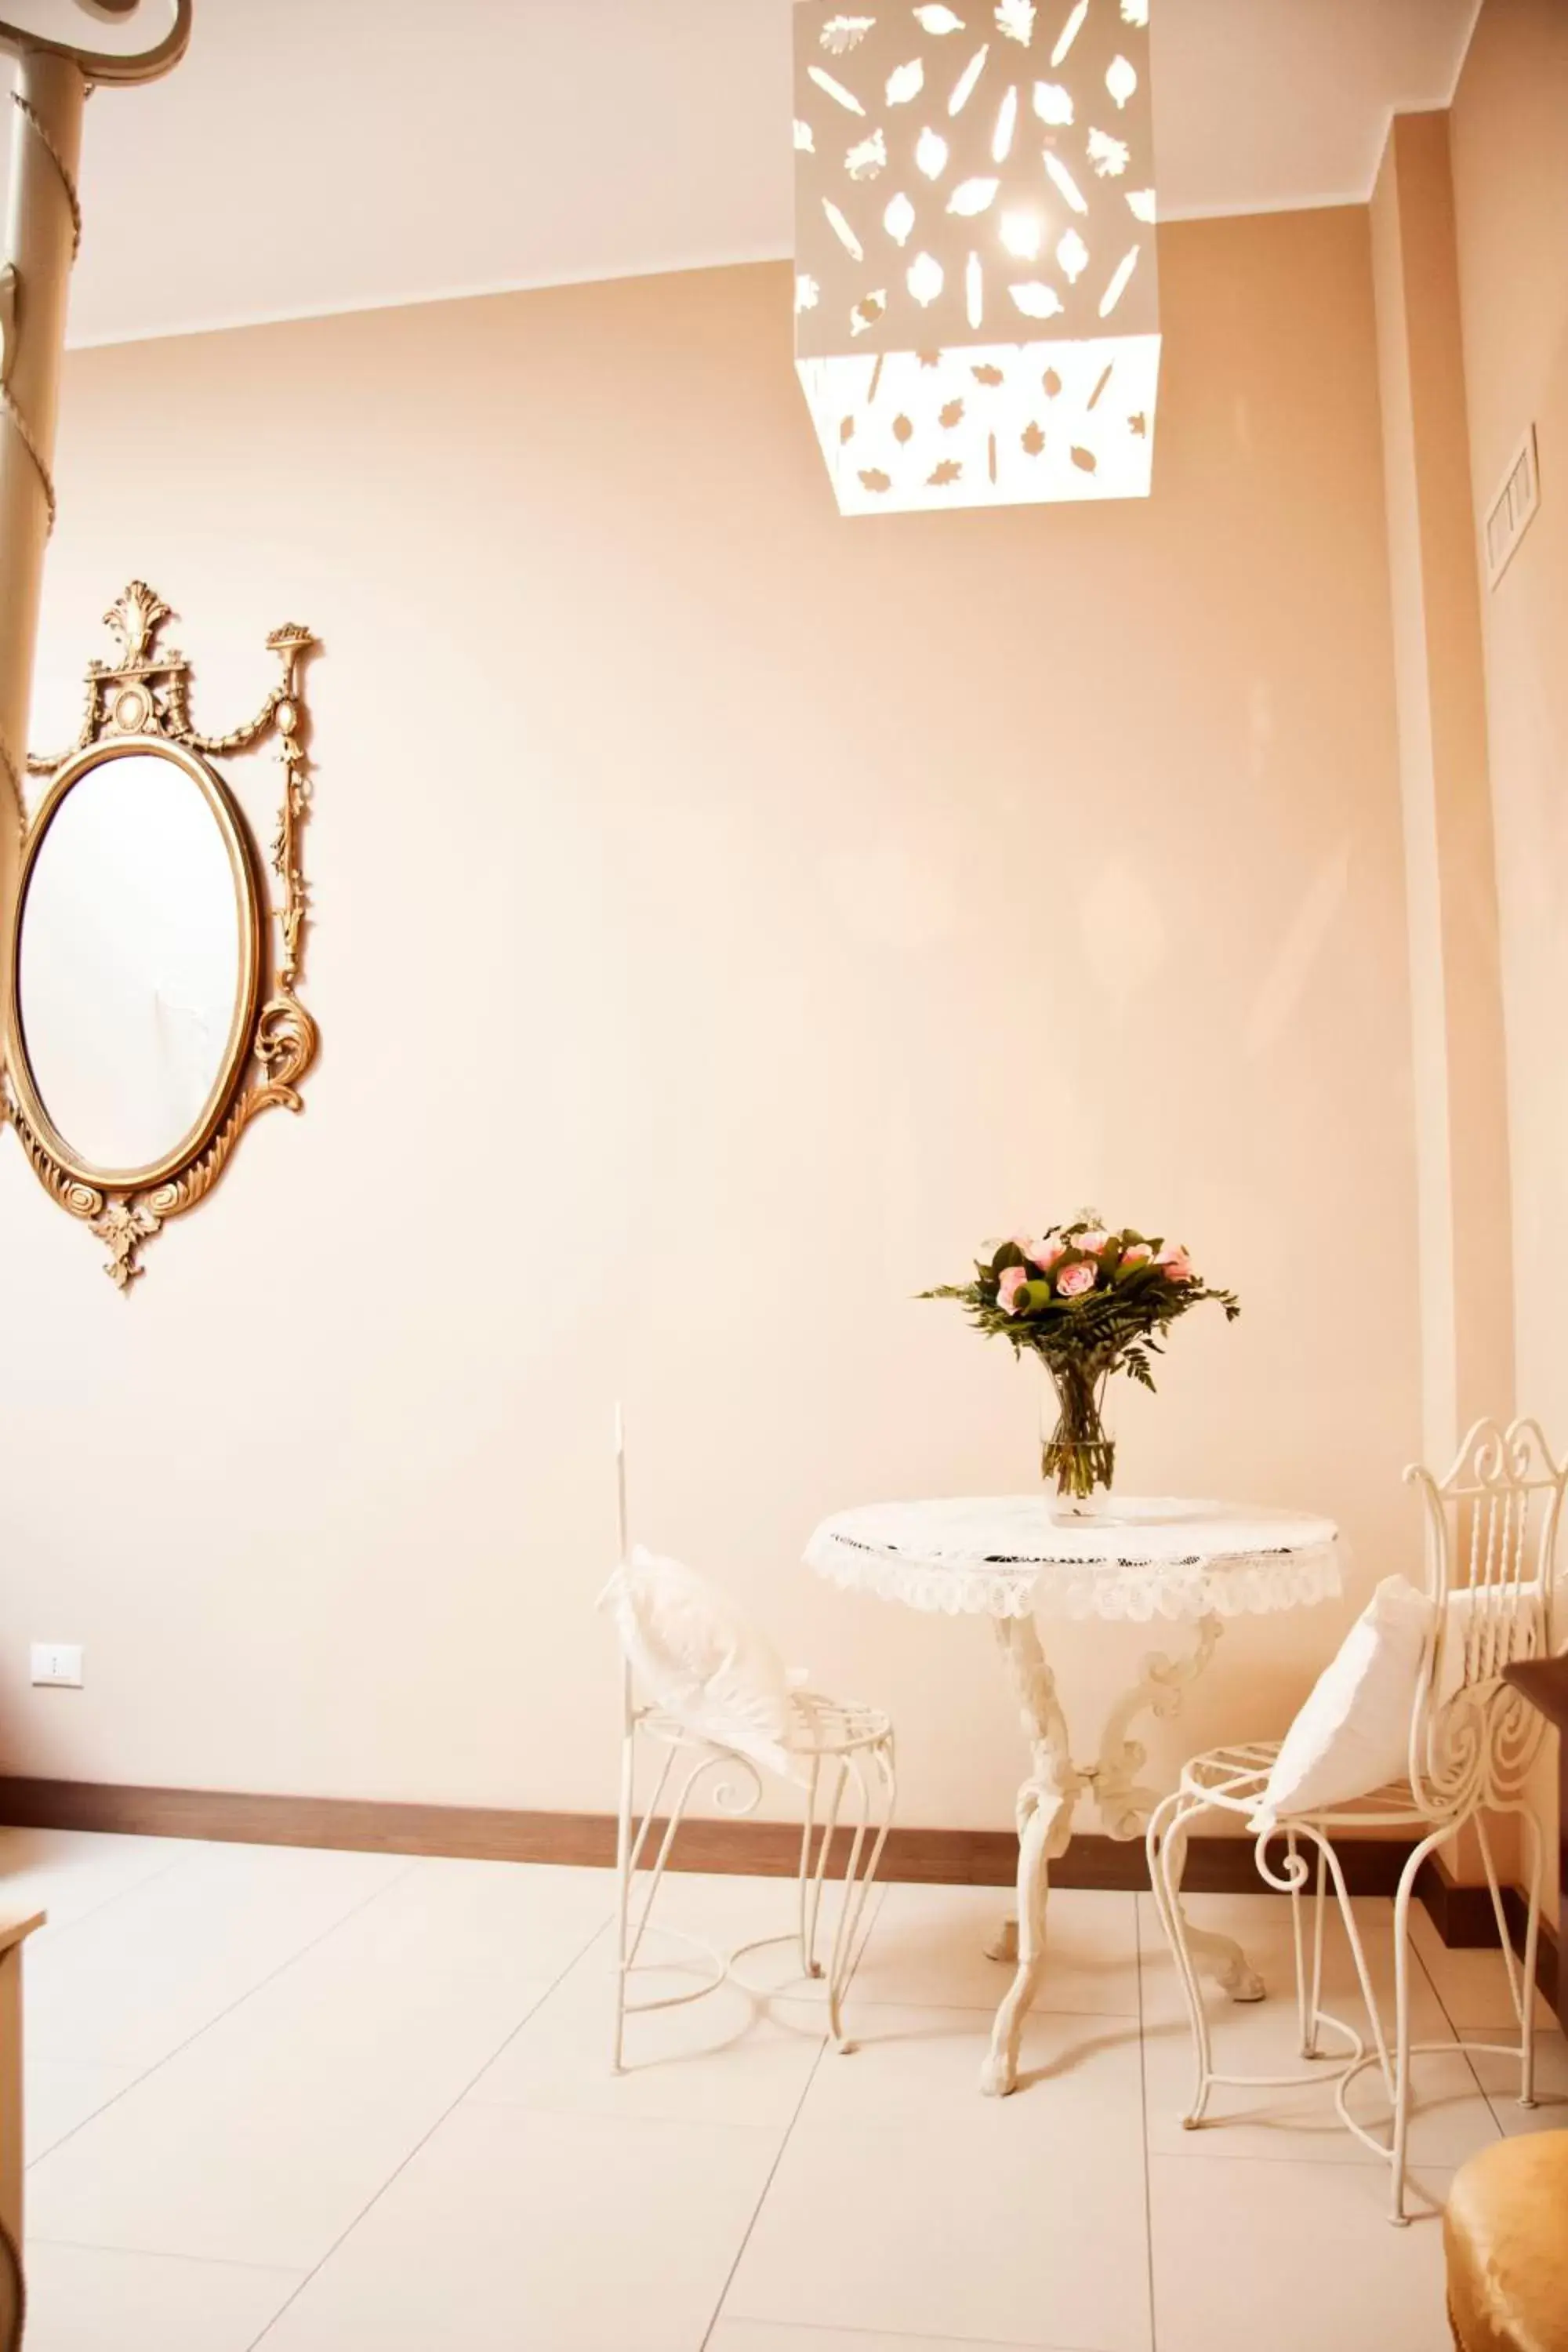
(1009, 1558)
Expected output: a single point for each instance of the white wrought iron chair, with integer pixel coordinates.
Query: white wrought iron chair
(842, 1743)
(1491, 1573)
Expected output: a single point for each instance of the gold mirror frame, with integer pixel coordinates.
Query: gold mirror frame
(142, 704)
(236, 843)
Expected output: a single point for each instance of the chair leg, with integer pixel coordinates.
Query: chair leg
(859, 1870)
(1402, 2036)
(623, 1893)
(1166, 1846)
(1532, 1957)
(637, 1926)
(631, 1925)
(809, 1965)
(1329, 1866)
(1320, 1914)
(814, 1873)
(1295, 1871)
(1402, 1899)
(1521, 1978)
(1515, 1985)
(1309, 1984)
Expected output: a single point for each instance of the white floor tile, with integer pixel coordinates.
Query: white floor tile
(766, 2335)
(762, 1913)
(397, 2072)
(538, 1917)
(131, 1980)
(920, 2069)
(1499, 2080)
(262, 2140)
(738, 1909)
(571, 2233)
(1035, 2234)
(727, 2058)
(1449, 2116)
(1261, 1924)
(1450, 2119)
(59, 2094)
(87, 2299)
(1295, 2257)
(928, 1950)
(69, 1873)
(1471, 1985)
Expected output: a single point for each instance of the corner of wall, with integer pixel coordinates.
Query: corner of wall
(1459, 1073)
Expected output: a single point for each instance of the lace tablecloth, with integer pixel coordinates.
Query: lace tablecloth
(1006, 1556)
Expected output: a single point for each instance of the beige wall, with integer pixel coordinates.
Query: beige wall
(727, 917)
(1511, 182)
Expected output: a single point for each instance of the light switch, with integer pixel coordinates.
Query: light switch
(57, 1664)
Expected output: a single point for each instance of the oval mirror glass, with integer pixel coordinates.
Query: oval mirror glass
(136, 960)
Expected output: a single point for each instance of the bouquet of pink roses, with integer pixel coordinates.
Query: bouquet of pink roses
(1088, 1302)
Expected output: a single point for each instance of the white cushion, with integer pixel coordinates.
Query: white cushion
(1353, 1733)
(699, 1659)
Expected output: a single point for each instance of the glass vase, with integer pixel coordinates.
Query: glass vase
(1077, 1453)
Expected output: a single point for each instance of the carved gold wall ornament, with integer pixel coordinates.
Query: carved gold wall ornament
(138, 709)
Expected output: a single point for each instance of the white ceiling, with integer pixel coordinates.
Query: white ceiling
(314, 155)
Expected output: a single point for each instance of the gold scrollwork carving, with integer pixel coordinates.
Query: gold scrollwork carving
(79, 1199)
(143, 697)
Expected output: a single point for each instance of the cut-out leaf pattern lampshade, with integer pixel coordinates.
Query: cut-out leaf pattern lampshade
(976, 291)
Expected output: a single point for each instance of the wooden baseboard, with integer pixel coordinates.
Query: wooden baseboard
(1549, 1954)
(1462, 1914)
(948, 1857)
(1464, 1917)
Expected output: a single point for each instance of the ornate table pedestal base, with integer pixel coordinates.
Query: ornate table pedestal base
(1047, 1802)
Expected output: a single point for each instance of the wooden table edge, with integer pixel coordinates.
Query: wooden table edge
(1544, 1682)
(14, 1931)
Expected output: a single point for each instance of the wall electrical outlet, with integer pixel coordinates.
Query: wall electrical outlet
(57, 1664)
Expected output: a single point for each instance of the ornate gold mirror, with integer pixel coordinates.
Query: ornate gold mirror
(150, 1012)
(136, 964)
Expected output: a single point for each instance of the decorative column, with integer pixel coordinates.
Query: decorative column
(40, 246)
(42, 233)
